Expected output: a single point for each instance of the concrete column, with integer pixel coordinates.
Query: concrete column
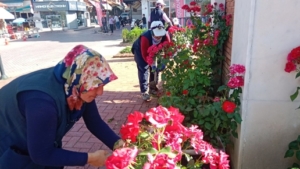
(145, 10)
(263, 35)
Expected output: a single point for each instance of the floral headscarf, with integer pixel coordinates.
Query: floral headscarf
(82, 70)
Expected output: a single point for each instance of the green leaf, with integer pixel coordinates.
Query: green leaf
(186, 86)
(297, 75)
(294, 96)
(289, 153)
(237, 118)
(218, 121)
(150, 150)
(296, 165)
(298, 139)
(235, 134)
(168, 151)
(144, 135)
(188, 157)
(208, 126)
(298, 155)
(201, 121)
(192, 76)
(188, 109)
(294, 145)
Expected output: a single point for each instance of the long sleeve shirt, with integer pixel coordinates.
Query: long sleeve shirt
(41, 115)
(145, 44)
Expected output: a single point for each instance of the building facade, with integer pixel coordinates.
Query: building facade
(59, 14)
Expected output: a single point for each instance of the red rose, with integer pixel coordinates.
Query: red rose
(121, 158)
(186, 7)
(158, 116)
(185, 92)
(130, 131)
(193, 3)
(228, 106)
(135, 117)
(294, 54)
(289, 67)
(168, 93)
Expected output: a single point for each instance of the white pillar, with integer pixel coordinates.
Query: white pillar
(262, 41)
(145, 10)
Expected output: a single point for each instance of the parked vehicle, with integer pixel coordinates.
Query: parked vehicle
(125, 17)
(136, 23)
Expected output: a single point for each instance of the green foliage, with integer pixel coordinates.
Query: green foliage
(127, 49)
(131, 36)
(294, 150)
(197, 69)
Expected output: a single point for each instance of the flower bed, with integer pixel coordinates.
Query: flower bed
(157, 139)
(192, 78)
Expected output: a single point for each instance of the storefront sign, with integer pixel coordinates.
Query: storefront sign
(51, 6)
(72, 6)
(81, 6)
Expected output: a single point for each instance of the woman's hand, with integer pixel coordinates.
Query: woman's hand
(120, 143)
(98, 158)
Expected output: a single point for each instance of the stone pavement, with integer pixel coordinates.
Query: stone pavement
(120, 97)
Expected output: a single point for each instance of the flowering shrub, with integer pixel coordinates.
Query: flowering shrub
(158, 140)
(293, 60)
(192, 80)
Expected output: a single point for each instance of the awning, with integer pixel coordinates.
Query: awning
(4, 14)
(126, 7)
(120, 7)
(25, 9)
(106, 6)
(2, 4)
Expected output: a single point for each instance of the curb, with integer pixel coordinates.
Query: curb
(123, 55)
(80, 29)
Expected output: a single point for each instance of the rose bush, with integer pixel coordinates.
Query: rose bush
(192, 79)
(158, 140)
(292, 65)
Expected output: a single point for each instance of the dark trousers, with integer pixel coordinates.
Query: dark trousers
(104, 26)
(111, 28)
(143, 72)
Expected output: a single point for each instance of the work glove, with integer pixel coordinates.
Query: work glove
(160, 68)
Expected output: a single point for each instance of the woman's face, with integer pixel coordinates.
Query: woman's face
(92, 94)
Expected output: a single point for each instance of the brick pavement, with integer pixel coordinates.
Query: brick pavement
(120, 98)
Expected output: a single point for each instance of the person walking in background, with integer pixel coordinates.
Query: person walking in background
(121, 21)
(144, 21)
(117, 21)
(104, 24)
(154, 36)
(111, 24)
(158, 14)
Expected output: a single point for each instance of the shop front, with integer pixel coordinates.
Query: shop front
(60, 14)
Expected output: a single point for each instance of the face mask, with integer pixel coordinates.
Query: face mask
(156, 41)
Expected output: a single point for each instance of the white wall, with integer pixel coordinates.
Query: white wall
(264, 33)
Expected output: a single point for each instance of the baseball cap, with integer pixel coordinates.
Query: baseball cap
(175, 21)
(157, 28)
(160, 2)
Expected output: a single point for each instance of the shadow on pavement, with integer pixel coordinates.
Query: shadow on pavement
(87, 35)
